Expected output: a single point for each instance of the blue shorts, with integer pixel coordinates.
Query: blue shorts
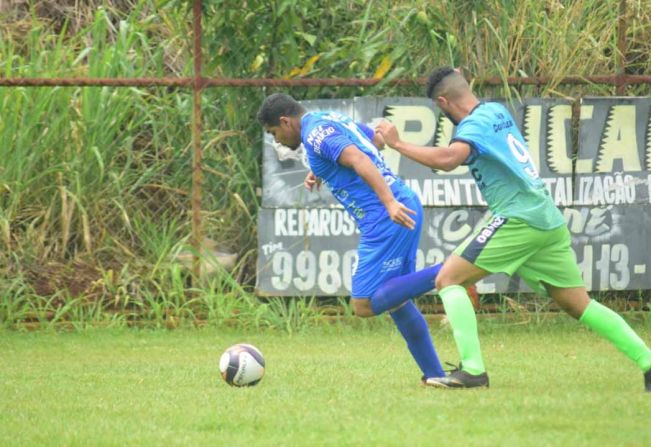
(388, 251)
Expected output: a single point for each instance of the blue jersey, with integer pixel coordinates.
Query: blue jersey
(325, 135)
(503, 170)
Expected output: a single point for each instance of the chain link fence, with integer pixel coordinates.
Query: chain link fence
(192, 135)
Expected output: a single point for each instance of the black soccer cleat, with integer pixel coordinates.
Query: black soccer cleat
(647, 381)
(458, 379)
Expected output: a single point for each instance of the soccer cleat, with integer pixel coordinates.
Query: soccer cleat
(647, 381)
(473, 295)
(458, 378)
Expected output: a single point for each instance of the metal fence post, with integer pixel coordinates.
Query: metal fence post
(621, 49)
(197, 152)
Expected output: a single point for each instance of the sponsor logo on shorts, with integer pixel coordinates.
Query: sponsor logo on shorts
(490, 229)
(391, 264)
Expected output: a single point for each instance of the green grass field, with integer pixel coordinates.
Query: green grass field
(553, 384)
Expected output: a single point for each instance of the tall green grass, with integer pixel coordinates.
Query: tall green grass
(95, 182)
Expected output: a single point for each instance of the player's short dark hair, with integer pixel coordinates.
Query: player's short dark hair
(435, 79)
(277, 105)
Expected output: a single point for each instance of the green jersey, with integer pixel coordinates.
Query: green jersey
(503, 170)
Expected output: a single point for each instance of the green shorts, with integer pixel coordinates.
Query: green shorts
(511, 246)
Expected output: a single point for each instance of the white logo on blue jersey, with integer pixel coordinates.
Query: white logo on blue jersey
(316, 137)
(325, 135)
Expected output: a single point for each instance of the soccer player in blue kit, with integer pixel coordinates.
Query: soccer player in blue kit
(342, 155)
(527, 233)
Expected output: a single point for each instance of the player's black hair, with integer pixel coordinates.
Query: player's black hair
(277, 105)
(436, 77)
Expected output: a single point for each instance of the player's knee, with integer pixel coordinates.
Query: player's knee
(573, 300)
(443, 281)
(362, 308)
(447, 278)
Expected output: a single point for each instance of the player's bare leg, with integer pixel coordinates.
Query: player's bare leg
(606, 323)
(362, 307)
(573, 300)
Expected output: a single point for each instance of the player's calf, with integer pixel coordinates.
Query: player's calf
(474, 296)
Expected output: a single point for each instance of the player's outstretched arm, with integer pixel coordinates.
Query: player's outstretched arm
(358, 161)
(444, 158)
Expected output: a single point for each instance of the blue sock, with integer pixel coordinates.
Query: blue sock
(397, 290)
(414, 329)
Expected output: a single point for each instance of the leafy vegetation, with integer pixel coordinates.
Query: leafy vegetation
(95, 182)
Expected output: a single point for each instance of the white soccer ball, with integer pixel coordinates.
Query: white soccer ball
(242, 365)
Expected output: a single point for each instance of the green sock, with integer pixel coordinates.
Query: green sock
(461, 316)
(612, 327)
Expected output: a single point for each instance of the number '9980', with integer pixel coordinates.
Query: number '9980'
(328, 271)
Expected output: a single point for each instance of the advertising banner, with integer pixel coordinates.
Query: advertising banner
(307, 243)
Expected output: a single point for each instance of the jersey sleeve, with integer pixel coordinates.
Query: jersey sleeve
(328, 141)
(470, 132)
(370, 133)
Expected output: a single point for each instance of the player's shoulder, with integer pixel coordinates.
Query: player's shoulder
(312, 120)
(317, 126)
(485, 113)
(489, 109)
(496, 111)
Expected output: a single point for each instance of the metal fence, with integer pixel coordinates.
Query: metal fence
(197, 83)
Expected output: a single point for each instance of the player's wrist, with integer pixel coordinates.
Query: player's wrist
(399, 145)
(388, 202)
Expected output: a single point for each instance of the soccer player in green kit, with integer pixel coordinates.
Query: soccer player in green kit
(526, 234)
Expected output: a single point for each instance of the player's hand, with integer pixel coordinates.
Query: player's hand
(388, 132)
(399, 213)
(311, 181)
(378, 140)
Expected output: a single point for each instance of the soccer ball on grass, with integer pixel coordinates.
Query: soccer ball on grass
(242, 365)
